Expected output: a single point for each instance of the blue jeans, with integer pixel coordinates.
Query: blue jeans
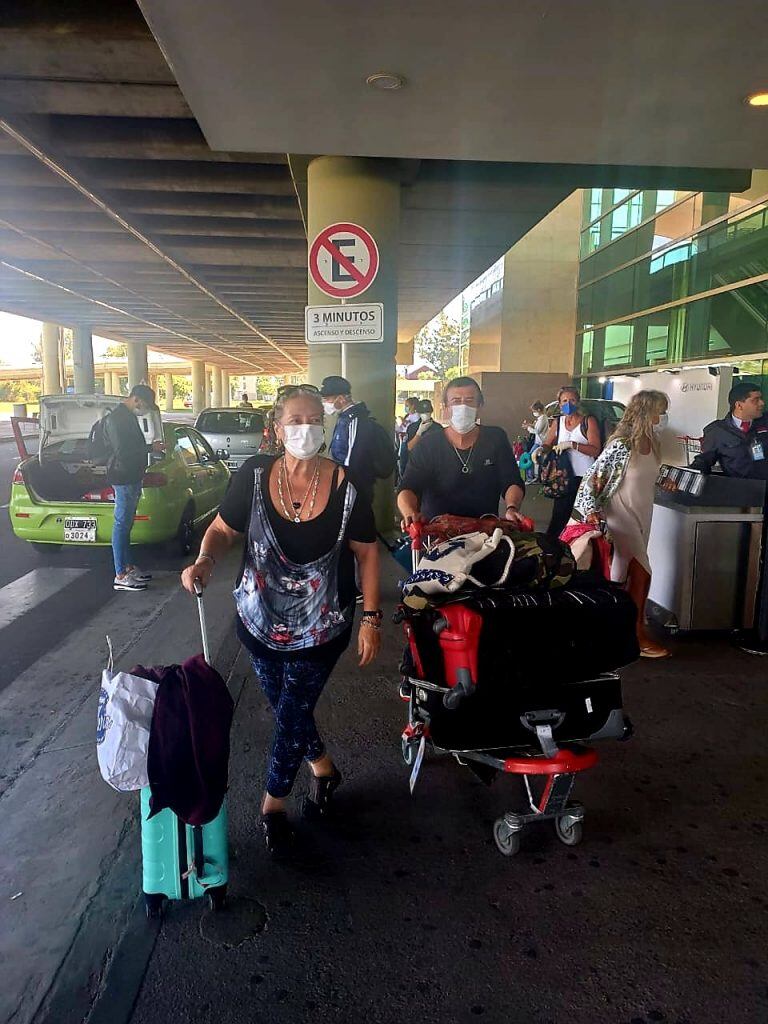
(126, 499)
(293, 688)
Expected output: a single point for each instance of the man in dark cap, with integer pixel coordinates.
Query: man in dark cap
(359, 442)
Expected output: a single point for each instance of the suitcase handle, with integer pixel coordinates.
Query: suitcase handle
(201, 613)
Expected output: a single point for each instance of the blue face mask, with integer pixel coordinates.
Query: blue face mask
(568, 408)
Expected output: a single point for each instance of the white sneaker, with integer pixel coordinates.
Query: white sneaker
(128, 582)
(137, 574)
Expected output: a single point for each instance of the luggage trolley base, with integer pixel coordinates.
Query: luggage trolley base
(556, 766)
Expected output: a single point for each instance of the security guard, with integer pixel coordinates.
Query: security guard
(739, 441)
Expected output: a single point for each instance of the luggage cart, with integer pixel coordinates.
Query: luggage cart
(548, 769)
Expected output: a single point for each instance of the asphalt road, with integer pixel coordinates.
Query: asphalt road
(36, 625)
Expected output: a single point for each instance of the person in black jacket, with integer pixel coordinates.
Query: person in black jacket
(126, 465)
(359, 442)
(739, 441)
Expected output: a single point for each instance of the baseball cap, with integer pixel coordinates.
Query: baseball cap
(335, 386)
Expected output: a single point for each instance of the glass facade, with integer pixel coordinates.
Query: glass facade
(671, 277)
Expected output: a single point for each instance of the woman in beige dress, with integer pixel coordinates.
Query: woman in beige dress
(619, 488)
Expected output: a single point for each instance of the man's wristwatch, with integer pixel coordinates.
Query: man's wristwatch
(512, 508)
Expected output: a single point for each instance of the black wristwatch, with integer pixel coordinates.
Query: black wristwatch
(377, 614)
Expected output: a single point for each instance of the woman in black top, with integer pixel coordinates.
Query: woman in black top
(464, 469)
(304, 527)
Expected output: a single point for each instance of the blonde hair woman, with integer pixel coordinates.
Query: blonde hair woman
(619, 488)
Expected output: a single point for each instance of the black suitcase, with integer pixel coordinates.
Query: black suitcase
(538, 653)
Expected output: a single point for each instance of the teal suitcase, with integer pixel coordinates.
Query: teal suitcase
(183, 862)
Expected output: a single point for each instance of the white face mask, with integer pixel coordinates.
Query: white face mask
(463, 418)
(329, 409)
(303, 440)
(425, 417)
(661, 426)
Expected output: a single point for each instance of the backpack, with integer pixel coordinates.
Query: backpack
(99, 448)
(382, 451)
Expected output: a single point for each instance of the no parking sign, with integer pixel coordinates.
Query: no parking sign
(343, 260)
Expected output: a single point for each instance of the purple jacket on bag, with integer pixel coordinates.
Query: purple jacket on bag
(188, 755)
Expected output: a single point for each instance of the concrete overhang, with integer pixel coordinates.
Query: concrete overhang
(118, 213)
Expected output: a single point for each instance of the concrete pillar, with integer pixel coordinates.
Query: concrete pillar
(51, 359)
(82, 359)
(138, 368)
(226, 390)
(216, 387)
(364, 192)
(199, 398)
(169, 392)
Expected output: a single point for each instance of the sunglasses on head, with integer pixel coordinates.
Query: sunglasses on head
(289, 389)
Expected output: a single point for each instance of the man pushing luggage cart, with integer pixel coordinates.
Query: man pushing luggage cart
(475, 692)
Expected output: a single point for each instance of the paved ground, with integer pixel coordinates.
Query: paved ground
(401, 909)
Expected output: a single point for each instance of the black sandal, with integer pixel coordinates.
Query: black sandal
(278, 833)
(317, 803)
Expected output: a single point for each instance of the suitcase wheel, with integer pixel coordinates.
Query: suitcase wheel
(568, 831)
(217, 898)
(153, 905)
(507, 840)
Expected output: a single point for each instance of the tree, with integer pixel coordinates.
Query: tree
(438, 343)
(116, 351)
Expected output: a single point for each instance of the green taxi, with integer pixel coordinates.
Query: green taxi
(60, 497)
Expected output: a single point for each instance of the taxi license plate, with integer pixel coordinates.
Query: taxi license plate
(82, 530)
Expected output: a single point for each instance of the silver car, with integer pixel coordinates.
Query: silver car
(238, 432)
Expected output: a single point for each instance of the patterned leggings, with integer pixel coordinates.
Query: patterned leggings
(293, 689)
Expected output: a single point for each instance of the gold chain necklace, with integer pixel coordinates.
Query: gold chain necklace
(298, 507)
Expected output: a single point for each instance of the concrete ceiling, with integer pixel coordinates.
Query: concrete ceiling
(658, 82)
(117, 212)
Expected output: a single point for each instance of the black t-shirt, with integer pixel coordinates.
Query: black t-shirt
(434, 474)
(300, 542)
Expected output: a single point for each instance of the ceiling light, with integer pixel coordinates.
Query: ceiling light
(385, 80)
(757, 99)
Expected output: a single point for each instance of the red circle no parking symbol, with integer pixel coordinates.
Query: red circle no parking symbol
(343, 260)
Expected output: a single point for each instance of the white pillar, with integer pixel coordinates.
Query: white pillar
(82, 359)
(216, 387)
(138, 368)
(51, 361)
(199, 400)
(226, 390)
(169, 392)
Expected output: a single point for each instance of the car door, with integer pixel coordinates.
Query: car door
(216, 473)
(197, 474)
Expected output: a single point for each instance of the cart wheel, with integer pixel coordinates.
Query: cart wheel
(507, 841)
(570, 833)
(153, 905)
(217, 898)
(409, 750)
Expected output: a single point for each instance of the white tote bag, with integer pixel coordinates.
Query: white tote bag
(126, 704)
(448, 566)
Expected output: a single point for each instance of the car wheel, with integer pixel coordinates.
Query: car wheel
(185, 535)
(46, 549)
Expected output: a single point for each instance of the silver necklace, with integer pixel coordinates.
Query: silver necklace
(298, 506)
(464, 464)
